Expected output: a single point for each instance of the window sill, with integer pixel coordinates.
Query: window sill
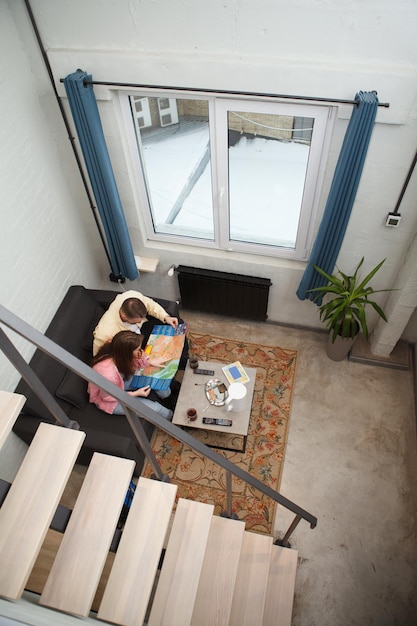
(146, 265)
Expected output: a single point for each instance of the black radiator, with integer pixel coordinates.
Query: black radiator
(224, 293)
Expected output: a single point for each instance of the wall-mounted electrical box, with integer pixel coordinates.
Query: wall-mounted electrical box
(393, 219)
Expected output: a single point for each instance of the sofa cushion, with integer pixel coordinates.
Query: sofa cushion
(73, 389)
(68, 328)
(88, 339)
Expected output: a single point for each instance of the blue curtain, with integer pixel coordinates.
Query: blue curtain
(87, 121)
(342, 194)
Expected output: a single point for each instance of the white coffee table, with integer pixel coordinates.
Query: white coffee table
(192, 394)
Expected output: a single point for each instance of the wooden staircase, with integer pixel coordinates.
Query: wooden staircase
(213, 572)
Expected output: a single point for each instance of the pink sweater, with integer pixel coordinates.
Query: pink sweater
(101, 398)
(108, 369)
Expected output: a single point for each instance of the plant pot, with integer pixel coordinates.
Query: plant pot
(339, 349)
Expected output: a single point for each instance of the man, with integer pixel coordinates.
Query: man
(129, 311)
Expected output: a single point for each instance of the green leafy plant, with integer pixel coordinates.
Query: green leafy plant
(345, 313)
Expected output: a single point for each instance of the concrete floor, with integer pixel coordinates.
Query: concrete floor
(351, 461)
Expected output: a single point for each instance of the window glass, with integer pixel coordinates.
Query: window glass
(267, 171)
(175, 156)
(237, 174)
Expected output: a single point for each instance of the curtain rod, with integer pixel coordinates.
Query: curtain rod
(233, 93)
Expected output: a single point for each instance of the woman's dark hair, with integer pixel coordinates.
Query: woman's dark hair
(121, 349)
(133, 308)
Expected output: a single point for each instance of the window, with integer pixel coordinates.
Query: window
(141, 112)
(237, 174)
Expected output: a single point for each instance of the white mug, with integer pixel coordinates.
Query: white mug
(236, 398)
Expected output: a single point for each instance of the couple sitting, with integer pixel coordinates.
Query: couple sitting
(117, 350)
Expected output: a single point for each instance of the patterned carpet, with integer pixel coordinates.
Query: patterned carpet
(200, 479)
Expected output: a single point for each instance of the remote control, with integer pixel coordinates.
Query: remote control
(218, 422)
(205, 372)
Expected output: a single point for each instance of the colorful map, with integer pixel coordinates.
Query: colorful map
(167, 342)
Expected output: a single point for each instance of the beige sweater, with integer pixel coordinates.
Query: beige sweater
(110, 323)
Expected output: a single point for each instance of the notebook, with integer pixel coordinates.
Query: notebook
(235, 373)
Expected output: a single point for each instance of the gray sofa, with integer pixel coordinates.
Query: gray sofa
(72, 328)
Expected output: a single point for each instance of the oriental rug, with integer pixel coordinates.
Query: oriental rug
(199, 478)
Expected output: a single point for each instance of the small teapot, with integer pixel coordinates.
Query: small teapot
(236, 398)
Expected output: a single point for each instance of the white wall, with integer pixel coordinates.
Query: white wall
(47, 241)
(329, 49)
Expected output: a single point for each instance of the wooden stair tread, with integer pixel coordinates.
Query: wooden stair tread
(129, 587)
(77, 568)
(281, 584)
(31, 502)
(217, 581)
(251, 582)
(10, 406)
(178, 582)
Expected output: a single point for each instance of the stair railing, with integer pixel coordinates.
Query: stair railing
(132, 412)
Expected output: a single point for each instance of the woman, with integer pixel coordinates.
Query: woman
(117, 361)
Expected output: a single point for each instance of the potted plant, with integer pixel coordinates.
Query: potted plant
(344, 314)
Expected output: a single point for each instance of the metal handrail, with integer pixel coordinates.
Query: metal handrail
(132, 411)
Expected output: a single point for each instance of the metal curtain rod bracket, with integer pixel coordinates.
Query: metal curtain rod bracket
(234, 93)
(223, 91)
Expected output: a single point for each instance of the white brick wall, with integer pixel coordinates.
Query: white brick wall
(47, 237)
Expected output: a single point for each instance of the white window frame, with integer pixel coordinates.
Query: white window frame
(324, 116)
